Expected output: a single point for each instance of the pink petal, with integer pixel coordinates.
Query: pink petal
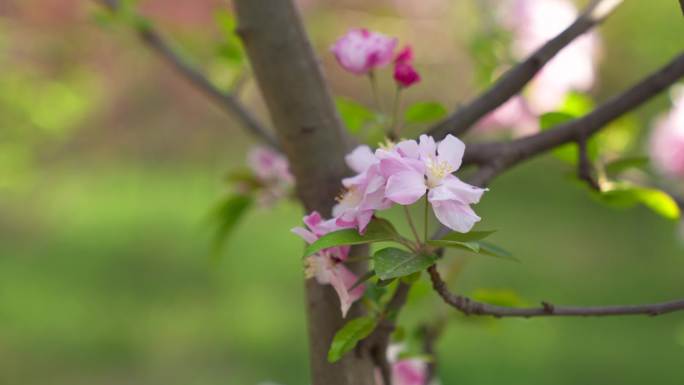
(409, 372)
(341, 280)
(462, 191)
(305, 234)
(455, 215)
(427, 147)
(360, 159)
(405, 187)
(408, 149)
(451, 150)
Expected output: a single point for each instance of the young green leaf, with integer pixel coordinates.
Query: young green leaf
(354, 115)
(472, 246)
(478, 247)
(628, 196)
(227, 215)
(378, 230)
(424, 112)
(623, 164)
(467, 237)
(493, 250)
(392, 262)
(351, 333)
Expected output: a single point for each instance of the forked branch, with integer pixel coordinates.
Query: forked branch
(469, 306)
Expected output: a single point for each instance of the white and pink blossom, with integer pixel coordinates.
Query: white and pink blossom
(272, 171)
(667, 138)
(327, 265)
(408, 371)
(426, 168)
(360, 51)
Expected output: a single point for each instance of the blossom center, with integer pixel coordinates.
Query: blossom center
(436, 171)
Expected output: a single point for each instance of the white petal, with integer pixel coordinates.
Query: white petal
(455, 215)
(360, 159)
(427, 147)
(462, 191)
(451, 150)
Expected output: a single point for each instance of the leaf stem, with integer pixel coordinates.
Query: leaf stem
(395, 125)
(411, 224)
(425, 219)
(376, 93)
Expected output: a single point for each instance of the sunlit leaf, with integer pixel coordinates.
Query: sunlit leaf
(377, 231)
(623, 164)
(392, 262)
(628, 196)
(354, 115)
(424, 112)
(351, 333)
(227, 215)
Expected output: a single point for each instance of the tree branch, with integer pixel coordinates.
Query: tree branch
(496, 157)
(227, 101)
(471, 307)
(513, 81)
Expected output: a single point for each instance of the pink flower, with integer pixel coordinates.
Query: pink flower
(326, 266)
(272, 171)
(667, 138)
(365, 191)
(360, 51)
(425, 167)
(405, 55)
(412, 371)
(405, 75)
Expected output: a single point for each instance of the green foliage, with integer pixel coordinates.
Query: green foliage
(424, 112)
(354, 115)
(626, 196)
(489, 51)
(500, 297)
(391, 262)
(351, 333)
(473, 242)
(621, 165)
(378, 230)
(230, 48)
(226, 216)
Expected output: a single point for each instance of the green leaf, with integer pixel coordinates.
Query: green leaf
(424, 112)
(475, 246)
(227, 215)
(500, 297)
(568, 152)
(467, 237)
(231, 47)
(620, 165)
(411, 278)
(365, 277)
(577, 104)
(628, 196)
(351, 333)
(377, 231)
(354, 114)
(392, 262)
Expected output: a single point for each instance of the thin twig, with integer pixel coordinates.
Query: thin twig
(585, 170)
(469, 306)
(153, 39)
(515, 79)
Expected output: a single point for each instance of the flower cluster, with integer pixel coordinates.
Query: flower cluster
(398, 173)
(272, 172)
(667, 138)
(361, 51)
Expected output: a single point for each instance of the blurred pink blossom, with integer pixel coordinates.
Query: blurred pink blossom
(271, 169)
(533, 23)
(361, 51)
(411, 371)
(667, 138)
(327, 265)
(514, 115)
(405, 75)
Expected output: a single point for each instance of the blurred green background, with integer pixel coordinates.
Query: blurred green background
(110, 163)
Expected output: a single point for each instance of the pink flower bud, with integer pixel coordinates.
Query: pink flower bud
(360, 50)
(405, 75)
(405, 55)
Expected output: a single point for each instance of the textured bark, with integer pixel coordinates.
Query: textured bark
(312, 136)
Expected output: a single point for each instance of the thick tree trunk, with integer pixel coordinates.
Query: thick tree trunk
(312, 136)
